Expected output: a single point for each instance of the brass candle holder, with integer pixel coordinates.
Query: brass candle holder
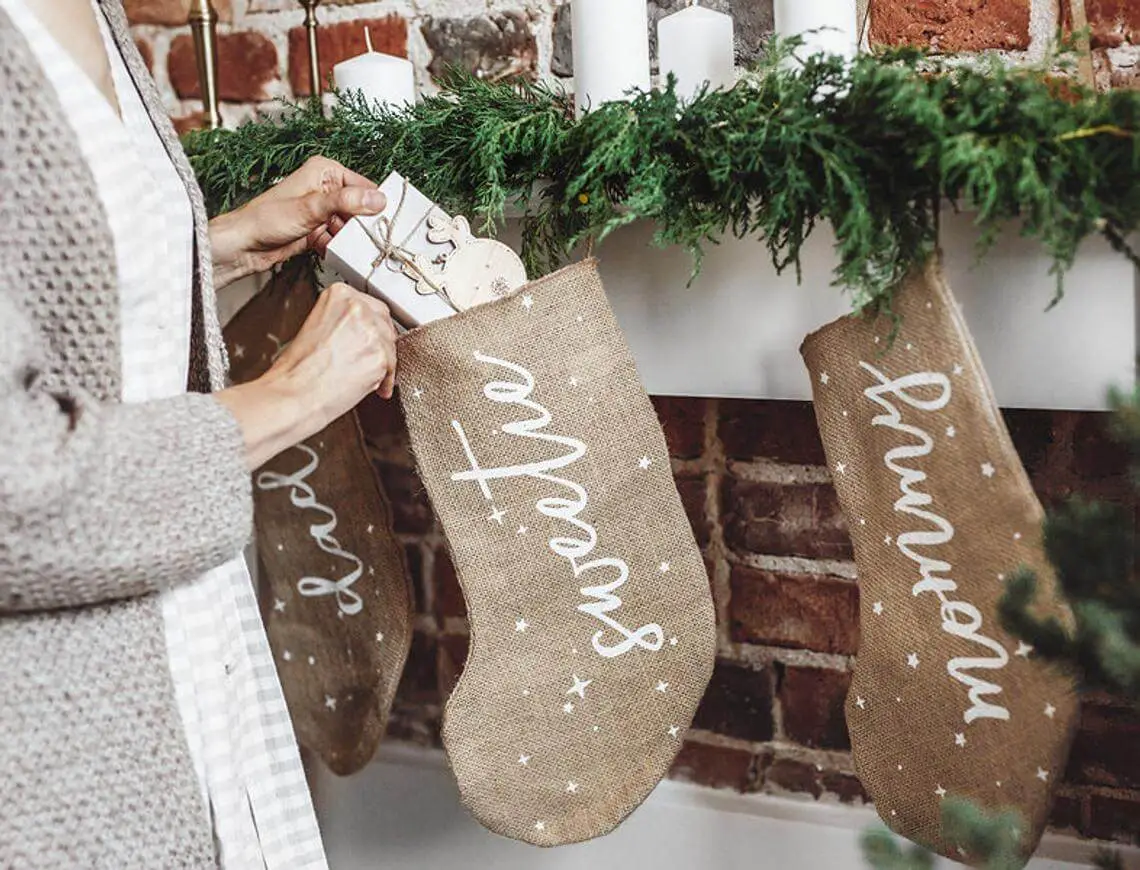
(314, 52)
(204, 28)
(1080, 22)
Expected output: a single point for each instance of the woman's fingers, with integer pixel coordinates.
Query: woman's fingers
(320, 238)
(352, 341)
(353, 179)
(319, 241)
(352, 201)
(317, 173)
(317, 209)
(307, 209)
(388, 386)
(387, 344)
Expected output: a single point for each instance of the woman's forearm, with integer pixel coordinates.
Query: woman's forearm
(273, 414)
(147, 495)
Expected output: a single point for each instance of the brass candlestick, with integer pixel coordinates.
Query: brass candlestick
(314, 52)
(204, 27)
(1080, 22)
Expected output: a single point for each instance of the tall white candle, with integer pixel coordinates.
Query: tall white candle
(611, 50)
(382, 78)
(834, 22)
(696, 45)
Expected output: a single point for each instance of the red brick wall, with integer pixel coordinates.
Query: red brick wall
(751, 474)
(263, 54)
(1022, 29)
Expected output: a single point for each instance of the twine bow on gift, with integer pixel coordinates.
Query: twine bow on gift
(381, 234)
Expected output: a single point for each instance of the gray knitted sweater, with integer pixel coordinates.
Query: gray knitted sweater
(102, 505)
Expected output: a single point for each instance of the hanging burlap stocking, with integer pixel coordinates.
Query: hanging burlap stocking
(592, 628)
(337, 601)
(943, 702)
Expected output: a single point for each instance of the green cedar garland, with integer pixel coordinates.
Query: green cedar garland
(870, 147)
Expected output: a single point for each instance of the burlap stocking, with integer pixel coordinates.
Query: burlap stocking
(592, 628)
(337, 600)
(943, 701)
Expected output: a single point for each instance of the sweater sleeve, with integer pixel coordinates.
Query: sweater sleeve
(102, 501)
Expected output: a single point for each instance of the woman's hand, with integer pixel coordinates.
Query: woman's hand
(345, 350)
(301, 213)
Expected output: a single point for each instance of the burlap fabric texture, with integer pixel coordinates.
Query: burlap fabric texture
(943, 702)
(335, 595)
(592, 626)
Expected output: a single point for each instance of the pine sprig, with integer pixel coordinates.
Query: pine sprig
(1093, 549)
(991, 842)
(871, 147)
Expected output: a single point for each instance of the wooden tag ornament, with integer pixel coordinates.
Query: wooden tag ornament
(944, 703)
(474, 272)
(336, 595)
(592, 625)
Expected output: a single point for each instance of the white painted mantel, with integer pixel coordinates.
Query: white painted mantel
(403, 813)
(736, 332)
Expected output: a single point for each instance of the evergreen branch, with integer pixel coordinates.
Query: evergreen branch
(1092, 548)
(882, 851)
(860, 146)
(992, 842)
(1110, 129)
(987, 841)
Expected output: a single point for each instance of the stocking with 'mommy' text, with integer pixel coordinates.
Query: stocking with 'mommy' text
(944, 703)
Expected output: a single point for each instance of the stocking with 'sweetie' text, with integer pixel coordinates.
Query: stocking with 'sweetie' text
(592, 626)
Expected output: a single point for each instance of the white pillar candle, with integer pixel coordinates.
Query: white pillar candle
(697, 46)
(834, 22)
(381, 78)
(611, 50)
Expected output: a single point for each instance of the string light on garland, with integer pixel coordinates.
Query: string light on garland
(872, 146)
